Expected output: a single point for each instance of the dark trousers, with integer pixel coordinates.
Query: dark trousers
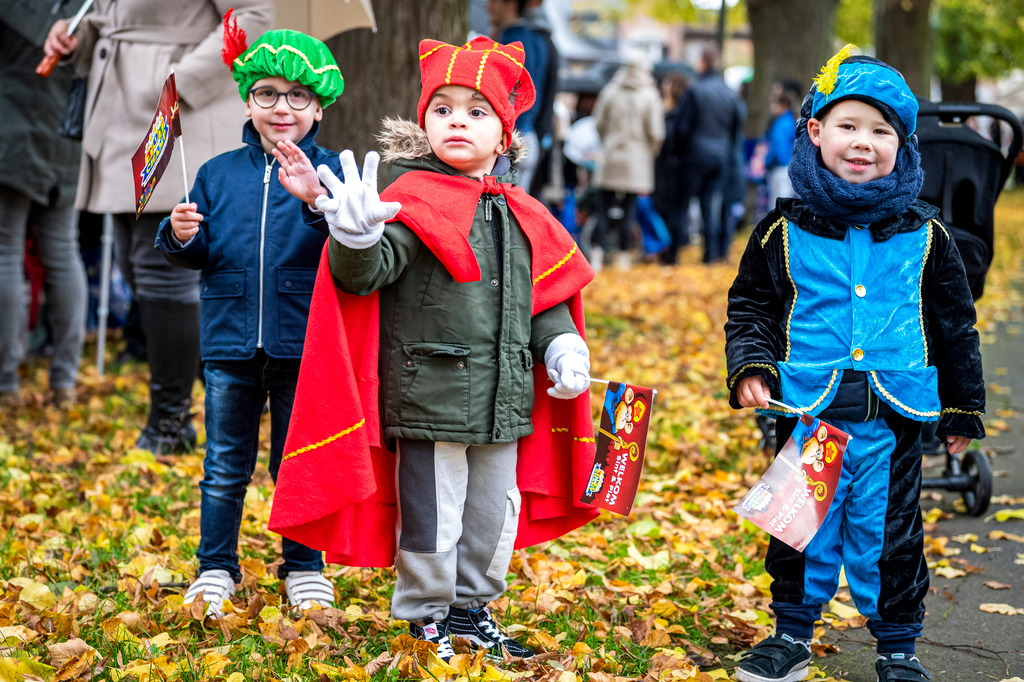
(703, 183)
(873, 528)
(236, 391)
(617, 212)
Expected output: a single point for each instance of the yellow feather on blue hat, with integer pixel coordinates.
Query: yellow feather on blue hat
(826, 80)
(851, 76)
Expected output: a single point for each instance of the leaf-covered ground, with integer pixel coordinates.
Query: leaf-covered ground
(98, 540)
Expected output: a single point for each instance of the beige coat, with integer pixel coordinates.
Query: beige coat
(631, 123)
(128, 48)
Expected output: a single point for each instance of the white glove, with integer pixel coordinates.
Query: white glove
(568, 362)
(354, 212)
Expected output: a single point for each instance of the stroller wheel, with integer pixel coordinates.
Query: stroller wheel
(977, 468)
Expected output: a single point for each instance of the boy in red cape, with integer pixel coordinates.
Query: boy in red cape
(422, 367)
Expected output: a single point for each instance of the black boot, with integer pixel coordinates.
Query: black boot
(134, 337)
(172, 347)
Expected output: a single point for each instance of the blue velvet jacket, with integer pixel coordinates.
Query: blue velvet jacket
(816, 303)
(258, 256)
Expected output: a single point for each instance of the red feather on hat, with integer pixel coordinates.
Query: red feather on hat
(235, 40)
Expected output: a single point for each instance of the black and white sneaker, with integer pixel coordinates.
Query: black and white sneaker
(435, 632)
(479, 628)
(779, 658)
(900, 668)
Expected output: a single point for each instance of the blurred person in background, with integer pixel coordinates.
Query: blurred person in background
(668, 168)
(510, 24)
(37, 191)
(734, 187)
(127, 48)
(705, 135)
(545, 123)
(781, 135)
(631, 122)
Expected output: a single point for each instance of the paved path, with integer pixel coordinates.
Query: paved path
(961, 643)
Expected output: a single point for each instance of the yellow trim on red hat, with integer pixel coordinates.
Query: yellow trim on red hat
(451, 65)
(432, 51)
(510, 58)
(480, 71)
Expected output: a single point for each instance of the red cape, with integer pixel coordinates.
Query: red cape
(336, 486)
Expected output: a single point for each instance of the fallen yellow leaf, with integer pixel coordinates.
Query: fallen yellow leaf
(842, 610)
(13, 635)
(1004, 609)
(950, 572)
(38, 596)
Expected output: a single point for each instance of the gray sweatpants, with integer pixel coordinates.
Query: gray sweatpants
(458, 517)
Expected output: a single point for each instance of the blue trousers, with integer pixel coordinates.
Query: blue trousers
(235, 394)
(873, 528)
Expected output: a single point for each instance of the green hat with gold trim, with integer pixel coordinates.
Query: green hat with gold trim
(289, 54)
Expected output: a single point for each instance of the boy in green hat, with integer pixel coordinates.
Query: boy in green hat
(245, 230)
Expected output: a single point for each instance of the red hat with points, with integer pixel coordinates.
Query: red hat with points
(496, 70)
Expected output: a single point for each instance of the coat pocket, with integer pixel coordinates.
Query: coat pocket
(222, 297)
(526, 402)
(435, 383)
(498, 568)
(294, 292)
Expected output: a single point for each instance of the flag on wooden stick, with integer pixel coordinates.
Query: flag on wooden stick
(621, 442)
(792, 497)
(152, 156)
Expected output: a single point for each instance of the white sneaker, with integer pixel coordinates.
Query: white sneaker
(216, 586)
(306, 588)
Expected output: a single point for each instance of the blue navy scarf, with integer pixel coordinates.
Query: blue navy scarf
(836, 199)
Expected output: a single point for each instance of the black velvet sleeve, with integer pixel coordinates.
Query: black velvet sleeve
(756, 310)
(954, 344)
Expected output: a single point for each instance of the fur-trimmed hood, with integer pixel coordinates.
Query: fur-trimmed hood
(403, 139)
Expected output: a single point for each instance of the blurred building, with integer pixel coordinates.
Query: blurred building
(591, 48)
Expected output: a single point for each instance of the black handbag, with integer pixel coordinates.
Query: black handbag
(74, 112)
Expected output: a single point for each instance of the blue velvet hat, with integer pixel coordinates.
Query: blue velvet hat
(868, 80)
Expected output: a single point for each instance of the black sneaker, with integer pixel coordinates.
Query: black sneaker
(775, 659)
(435, 632)
(900, 668)
(479, 628)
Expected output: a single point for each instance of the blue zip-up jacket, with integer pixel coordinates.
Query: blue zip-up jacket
(258, 256)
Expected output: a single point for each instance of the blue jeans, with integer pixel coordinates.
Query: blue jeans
(235, 394)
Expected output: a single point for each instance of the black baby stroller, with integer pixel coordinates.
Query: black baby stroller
(964, 173)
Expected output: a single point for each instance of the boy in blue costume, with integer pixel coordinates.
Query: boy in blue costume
(851, 303)
(245, 230)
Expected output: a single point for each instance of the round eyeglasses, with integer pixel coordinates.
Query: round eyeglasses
(266, 97)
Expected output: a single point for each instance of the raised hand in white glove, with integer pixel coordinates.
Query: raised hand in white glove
(353, 209)
(568, 361)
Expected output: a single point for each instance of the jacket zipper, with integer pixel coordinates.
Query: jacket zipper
(263, 233)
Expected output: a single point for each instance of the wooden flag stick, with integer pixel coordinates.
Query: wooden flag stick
(181, 148)
(654, 391)
(782, 404)
(184, 173)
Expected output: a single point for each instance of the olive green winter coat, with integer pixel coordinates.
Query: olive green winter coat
(455, 359)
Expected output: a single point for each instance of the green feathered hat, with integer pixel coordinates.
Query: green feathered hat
(289, 54)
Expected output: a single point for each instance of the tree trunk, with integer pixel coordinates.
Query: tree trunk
(382, 69)
(792, 41)
(959, 92)
(903, 39)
